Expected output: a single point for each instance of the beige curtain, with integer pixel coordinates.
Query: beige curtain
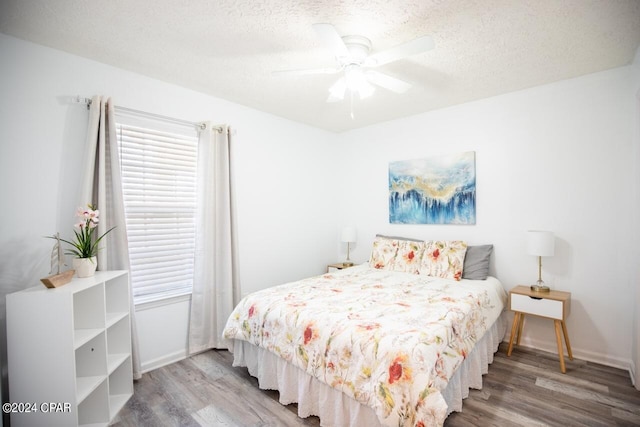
(215, 284)
(102, 186)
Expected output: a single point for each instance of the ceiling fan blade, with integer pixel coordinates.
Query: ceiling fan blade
(330, 37)
(306, 72)
(386, 81)
(413, 47)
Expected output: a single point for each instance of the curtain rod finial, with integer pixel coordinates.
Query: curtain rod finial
(80, 100)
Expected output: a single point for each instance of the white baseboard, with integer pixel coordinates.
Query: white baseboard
(159, 362)
(589, 356)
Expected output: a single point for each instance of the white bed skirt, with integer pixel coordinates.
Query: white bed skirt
(336, 409)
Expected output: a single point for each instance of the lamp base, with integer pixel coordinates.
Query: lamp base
(347, 264)
(540, 288)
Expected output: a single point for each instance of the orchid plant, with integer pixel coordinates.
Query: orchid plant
(85, 244)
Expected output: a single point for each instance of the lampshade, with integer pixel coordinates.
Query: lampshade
(348, 235)
(540, 243)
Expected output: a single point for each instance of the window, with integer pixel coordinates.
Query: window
(159, 188)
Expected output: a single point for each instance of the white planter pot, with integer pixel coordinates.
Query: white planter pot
(85, 267)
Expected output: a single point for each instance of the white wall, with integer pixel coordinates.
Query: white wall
(555, 157)
(163, 332)
(282, 172)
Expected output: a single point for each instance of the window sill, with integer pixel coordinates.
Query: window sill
(148, 303)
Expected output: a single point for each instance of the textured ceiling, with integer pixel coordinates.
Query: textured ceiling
(229, 49)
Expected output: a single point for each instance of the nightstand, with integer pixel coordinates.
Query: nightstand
(551, 305)
(338, 266)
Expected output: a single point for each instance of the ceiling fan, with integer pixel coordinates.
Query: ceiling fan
(353, 58)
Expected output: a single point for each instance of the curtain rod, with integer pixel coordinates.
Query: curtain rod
(197, 125)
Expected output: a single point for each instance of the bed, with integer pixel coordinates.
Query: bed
(397, 341)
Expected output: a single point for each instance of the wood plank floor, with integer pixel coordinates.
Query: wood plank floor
(526, 389)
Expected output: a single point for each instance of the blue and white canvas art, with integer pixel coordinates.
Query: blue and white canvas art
(435, 190)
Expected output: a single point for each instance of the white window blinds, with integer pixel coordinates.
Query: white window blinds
(159, 189)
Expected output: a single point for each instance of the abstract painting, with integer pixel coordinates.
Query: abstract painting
(434, 190)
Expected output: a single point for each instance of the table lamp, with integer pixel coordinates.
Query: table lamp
(540, 243)
(348, 237)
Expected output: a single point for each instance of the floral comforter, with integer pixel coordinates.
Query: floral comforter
(389, 340)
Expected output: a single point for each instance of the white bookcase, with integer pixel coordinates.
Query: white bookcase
(71, 347)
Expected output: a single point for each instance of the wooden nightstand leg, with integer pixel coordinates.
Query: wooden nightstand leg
(520, 326)
(514, 330)
(558, 326)
(566, 339)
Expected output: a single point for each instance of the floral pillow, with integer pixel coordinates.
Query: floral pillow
(408, 257)
(383, 253)
(443, 259)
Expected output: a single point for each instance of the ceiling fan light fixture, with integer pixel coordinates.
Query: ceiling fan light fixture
(356, 81)
(354, 77)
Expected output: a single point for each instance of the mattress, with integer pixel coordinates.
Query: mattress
(368, 347)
